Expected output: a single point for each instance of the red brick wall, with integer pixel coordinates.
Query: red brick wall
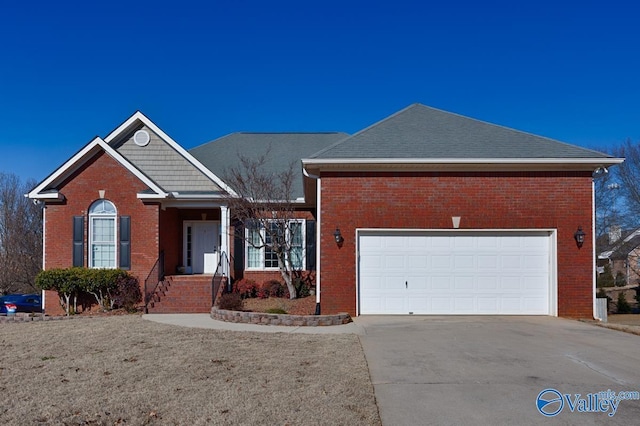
(557, 200)
(171, 239)
(80, 191)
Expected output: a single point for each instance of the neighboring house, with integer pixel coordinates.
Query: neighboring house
(425, 212)
(622, 255)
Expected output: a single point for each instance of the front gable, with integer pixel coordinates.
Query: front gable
(157, 155)
(49, 188)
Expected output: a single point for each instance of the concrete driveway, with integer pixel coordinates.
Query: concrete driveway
(491, 370)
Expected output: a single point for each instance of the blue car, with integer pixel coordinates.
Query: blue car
(12, 303)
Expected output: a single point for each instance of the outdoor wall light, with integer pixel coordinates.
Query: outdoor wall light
(579, 237)
(338, 236)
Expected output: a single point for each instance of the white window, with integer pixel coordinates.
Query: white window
(261, 256)
(102, 235)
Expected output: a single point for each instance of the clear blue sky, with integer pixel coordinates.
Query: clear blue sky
(69, 71)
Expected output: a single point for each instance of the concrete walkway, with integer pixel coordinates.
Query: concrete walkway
(205, 321)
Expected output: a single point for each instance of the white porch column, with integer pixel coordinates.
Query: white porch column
(224, 233)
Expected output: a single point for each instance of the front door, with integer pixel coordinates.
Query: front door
(201, 242)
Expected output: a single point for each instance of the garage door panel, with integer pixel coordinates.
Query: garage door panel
(463, 261)
(455, 274)
(487, 262)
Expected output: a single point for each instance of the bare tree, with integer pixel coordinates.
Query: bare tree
(263, 204)
(20, 236)
(629, 174)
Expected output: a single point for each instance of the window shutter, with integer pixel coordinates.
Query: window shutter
(78, 241)
(125, 242)
(310, 244)
(238, 248)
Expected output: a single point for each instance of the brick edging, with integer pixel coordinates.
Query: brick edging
(262, 318)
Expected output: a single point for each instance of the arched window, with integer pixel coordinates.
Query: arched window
(102, 234)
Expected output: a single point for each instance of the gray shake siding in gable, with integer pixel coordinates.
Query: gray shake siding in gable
(165, 166)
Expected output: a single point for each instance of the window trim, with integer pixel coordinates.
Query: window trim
(114, 217)
(303, 236)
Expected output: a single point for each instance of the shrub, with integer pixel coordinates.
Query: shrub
(302, 287)
(275, 311)
(231, 302)
(272, 288)
(621, 281)
(127, 293)
(109, 287)
(246, 288)
(623, 305)
(605, 279)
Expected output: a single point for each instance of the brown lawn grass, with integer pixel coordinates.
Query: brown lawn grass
(125, 370)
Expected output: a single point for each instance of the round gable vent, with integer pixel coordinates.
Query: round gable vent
(141, 138)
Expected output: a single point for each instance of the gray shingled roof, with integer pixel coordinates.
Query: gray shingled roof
(419, 131)
(284, 148)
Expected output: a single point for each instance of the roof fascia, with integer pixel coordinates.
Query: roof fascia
(139, 116)
(79, 159)
(312, 165)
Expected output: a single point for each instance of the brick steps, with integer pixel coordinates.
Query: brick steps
(182, 294)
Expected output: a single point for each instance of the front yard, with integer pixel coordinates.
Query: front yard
(125, 370)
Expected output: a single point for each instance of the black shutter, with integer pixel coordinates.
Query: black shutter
(78, 241)
(238, 249)
(125, 242)
(310, 245)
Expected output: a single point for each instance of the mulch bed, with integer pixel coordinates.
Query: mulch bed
(302, 306)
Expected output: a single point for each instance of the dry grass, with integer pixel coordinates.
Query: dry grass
(125, 370)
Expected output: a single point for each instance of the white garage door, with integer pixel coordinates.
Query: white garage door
(454, 273)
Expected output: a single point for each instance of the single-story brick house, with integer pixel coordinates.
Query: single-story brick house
(424, 212)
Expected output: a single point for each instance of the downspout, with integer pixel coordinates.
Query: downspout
(318, 228)
(44, 244)
(593, 239)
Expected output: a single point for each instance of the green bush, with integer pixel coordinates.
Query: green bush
(605, 279)
(623, 305)
(109, 287)
(275, 311)
(621, 280)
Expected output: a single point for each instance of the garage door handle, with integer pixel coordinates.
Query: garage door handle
(406, 284)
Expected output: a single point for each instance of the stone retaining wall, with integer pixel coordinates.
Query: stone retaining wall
(21, 317)
(279, 319)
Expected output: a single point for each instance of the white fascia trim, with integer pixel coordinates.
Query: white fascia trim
(457, 230)
(178, 196)
(35, 193)
(46, 196)
(339, 161)
(84, 154)
(138, 116)
(172, 202)
(296, 201)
